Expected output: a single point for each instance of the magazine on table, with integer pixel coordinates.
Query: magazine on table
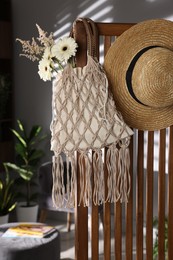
(29, 230)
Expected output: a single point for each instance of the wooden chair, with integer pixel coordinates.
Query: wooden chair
(140, 205)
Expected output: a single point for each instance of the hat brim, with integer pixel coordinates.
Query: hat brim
(158, 32)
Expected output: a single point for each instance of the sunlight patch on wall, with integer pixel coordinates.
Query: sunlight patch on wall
(105, 11)
(156, 151)
(97, 11)
(84, 3)
(67, 16)
(64, 30)
(91, 8)
(151, 1)
(169, 18)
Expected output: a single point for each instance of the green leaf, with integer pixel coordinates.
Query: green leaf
(35, 131)
(20, 125)
(20, 138)
(20, 149)
(24, 173)
(7, 193)
(1, 185)
(12, 207)
(37, 141)
(36, 155)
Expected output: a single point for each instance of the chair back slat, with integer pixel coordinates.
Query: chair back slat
(107, 231)
(118, 230)
(106, 219)
(149, 195)
(94, 232)
(81, 212)
(161, 194)
(170, 196)
(139, 196)
(129, 213)
(81, 225)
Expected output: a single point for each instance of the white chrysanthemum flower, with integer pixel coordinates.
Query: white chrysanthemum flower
(64, 49)
(45, 70)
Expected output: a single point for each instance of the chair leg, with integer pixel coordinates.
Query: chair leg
(69, 215)
(43, 215)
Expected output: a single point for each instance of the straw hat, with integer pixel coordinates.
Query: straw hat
(139, 66)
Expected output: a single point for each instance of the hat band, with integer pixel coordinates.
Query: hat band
(130, 72)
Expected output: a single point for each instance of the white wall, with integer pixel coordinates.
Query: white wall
(32, 95)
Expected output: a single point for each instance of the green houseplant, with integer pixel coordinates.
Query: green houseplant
(7, 194)
(155, 247)
(28, 156)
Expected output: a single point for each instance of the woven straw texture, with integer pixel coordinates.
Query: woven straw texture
(142, 57)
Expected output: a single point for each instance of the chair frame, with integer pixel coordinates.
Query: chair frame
(107, 32)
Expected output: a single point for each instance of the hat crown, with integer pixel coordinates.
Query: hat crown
(152, 78)
(150, 107)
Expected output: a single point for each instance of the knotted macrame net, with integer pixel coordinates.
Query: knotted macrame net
(85, 121)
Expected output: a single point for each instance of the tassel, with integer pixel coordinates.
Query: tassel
(85, 179)
(71, 181)
(124, 174)
(99, 184)
(58, 190)
(63, 196)
(118, 181)
(112, 157)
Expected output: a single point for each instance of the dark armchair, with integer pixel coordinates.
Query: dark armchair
(45, 201)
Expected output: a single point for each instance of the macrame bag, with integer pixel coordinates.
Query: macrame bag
(85, 120)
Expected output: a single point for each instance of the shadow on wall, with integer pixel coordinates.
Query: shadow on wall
(110, 11)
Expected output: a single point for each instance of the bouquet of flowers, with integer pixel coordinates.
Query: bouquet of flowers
(52, 56)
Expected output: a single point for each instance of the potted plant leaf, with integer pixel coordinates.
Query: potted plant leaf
(28, 156)
(156, 245)
(7, 195)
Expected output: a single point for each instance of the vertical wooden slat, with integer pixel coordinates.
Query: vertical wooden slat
(81, 226)
(95, 232)
(118, 230)
(170, 197)
(107, 207)
(149, 197)
(107, 219)
(81, 213)
(129, 211)
(107, 231)
(94, 229)
(107, 44)
(139, 197)
(95, 208)
(161, 196)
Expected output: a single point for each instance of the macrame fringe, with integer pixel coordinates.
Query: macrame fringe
(116, 161)
(63, 191)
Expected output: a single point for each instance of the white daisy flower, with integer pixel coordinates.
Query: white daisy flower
(64, 49)
(45, 70)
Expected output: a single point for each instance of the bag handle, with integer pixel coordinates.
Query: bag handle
(92, 36)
